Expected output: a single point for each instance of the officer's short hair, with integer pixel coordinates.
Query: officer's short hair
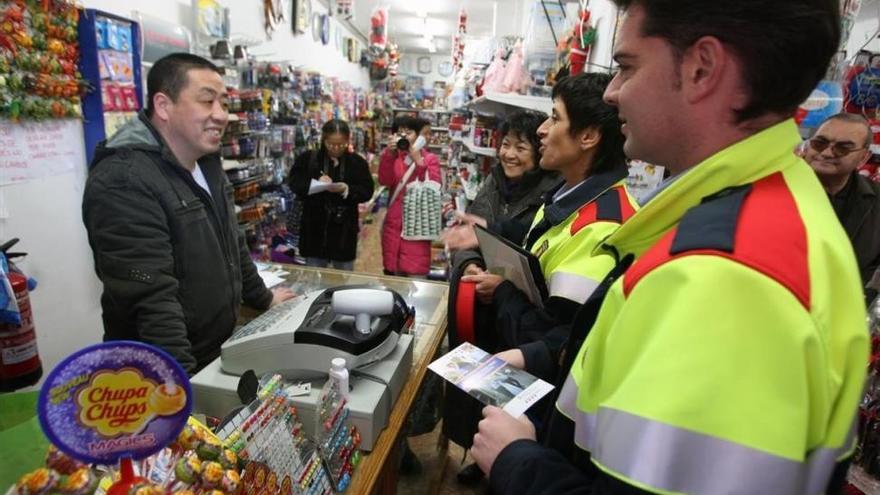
(770, 38)
(582, 96)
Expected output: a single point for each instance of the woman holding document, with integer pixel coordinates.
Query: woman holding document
(330, 181)
(582, 142)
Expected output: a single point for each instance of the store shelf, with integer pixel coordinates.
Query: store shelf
(419, 110)
(477, 150)
(504, 103)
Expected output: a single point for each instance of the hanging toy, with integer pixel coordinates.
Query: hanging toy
(493, 81)
(582, 37)
(516, 79)
(393, 60)
(378, 28)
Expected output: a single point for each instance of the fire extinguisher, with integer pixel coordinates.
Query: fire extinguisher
(20, 364)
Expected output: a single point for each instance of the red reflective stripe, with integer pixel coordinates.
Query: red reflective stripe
(464, 311)
(626, 208)
(770, 238)
(586, 216)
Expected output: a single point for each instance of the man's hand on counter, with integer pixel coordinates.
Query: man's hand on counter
(281, 294)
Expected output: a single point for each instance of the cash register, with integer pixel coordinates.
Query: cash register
(365, 325)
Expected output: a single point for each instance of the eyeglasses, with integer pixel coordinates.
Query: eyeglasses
(837, 149)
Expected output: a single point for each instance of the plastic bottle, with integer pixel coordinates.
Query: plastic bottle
(339, 373)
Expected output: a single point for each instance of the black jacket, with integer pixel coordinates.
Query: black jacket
(858, 209)
(174, 265)
(497, 204)
(329, 225)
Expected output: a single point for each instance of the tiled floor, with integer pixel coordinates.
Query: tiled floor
(439, 464)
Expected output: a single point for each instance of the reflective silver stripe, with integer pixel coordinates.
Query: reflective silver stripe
(665, 457)
(571, 286)
(662, 456)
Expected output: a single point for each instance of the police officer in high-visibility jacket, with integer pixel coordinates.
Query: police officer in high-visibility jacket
(581, 140)
(730, 356)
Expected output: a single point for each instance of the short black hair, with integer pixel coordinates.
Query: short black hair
(403, 121)
(523, 124)
(582, 95)
(335, 126)
(415, 124)
(785, 45)
(853, 118)
(169, 75)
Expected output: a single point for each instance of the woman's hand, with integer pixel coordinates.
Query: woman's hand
(460, 237)
(325, 179)
(486, 285)
(472, 269)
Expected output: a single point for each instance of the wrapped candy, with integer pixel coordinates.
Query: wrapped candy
(81, 482)
(145, 489)
(37, 482)
(188, 469)
(61, 462)
(188, 438)
(212, 474)
(230, 481)
(209, 449)
(228, 459)
(183, 492)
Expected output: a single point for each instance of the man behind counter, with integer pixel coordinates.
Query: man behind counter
(161, 221)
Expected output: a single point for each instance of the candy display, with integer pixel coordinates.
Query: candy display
(81, 482)
(39, 54)
(37, 482)
(188, 469)
(338, 439)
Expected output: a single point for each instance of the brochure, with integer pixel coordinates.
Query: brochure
(490, 379)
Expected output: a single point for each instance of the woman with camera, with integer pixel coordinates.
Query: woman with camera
(403, 161)
(330, 181)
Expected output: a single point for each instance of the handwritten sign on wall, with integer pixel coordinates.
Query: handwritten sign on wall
(33, 150)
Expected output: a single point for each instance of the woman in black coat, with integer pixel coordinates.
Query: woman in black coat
(330, 182)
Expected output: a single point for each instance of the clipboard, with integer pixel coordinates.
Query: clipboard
(514, 263)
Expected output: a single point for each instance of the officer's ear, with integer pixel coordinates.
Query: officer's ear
(589, 138)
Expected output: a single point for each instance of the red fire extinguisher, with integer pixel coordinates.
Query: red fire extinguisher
(20, 364)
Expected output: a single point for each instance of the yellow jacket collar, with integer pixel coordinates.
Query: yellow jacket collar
(744, 162)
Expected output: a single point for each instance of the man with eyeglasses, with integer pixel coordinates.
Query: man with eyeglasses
(836, 151)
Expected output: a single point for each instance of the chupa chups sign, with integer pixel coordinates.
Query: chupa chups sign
(115, 400)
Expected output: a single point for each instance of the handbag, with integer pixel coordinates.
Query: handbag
(421, 210)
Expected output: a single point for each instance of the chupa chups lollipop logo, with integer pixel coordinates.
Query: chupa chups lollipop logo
(114, 400)
(125, 401)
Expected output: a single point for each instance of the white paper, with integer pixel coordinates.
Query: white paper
(34, 150)
(317, 186)
(490, 379)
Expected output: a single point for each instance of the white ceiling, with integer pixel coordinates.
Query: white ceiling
(407, 28)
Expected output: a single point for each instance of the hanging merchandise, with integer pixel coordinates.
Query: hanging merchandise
(458, 41)
(302, 16)
(493, 81)
(38, 61)
(273, 11)
(379, 28)
(344, 8)
(582, 37)
(516, 79)
(393, 59)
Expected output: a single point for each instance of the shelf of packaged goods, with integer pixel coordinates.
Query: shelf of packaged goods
(504, 103)
(421, 110)
(477, 150)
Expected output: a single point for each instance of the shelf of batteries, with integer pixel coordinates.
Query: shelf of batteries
(268, 435)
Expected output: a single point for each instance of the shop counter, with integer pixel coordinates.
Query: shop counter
(377, 472)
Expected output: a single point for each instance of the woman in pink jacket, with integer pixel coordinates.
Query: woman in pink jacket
(400, 256)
